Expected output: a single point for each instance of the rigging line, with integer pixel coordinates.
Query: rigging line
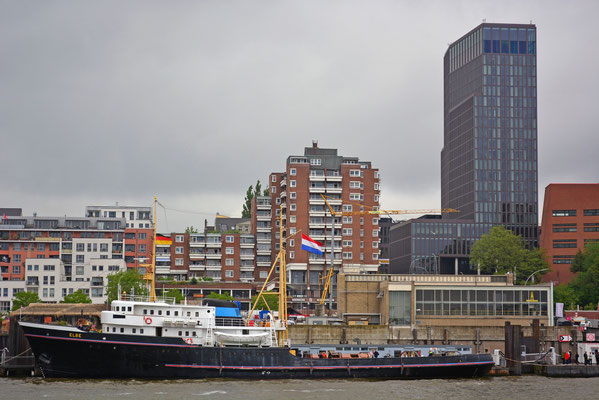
(186, 211)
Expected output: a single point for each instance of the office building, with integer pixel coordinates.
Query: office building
(570, 221)
(489, 155)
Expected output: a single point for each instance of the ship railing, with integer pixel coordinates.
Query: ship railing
(219, 321)
(146, 299)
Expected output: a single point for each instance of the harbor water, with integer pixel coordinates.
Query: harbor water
(524, 387)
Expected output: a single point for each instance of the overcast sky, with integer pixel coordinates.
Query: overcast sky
(193, 101)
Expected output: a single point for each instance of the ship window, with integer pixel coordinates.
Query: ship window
(122, 330)
(193, 333)
(128, 308)
(134, 330)
(117, 308)
(176, 313)
(114, 329)
(141, 331)
(168, 312)
(159, 312)
(151, 312)
(186, 333)
(145, 311)
(197, 314)
(180, 333)
(188, 314)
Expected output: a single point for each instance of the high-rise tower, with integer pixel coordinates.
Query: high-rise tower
(489, 158)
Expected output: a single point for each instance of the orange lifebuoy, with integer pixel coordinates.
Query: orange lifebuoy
(148, 320)
(188, 341)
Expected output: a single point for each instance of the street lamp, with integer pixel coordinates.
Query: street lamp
(531, 275)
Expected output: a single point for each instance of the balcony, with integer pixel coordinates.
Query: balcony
(332, 178)
(318, 201)
(213, 245)
(248, 256)
(317, 213)
(319, 189)
(213, 267)
(246, 268)
(332, 189)
(196, 267)
(263, 264)
(213, 256)
(197, 256)
(317, 178)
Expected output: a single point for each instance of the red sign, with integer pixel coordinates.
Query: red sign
(590, 337)
(565, 338)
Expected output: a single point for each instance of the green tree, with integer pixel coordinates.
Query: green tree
(220, 296)
(176, 294)
(501, 251)
(191, 229)
(586, 283)
(130, 282)
(23, 299)
(247, 205)
(565, 294)
(266, 192)
(78, 297)
(253, 191)
(271, 298)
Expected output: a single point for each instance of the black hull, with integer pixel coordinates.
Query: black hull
(98, 355)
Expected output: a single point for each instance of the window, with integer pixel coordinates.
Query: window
(16, 269)
(292, 207)
(230, 250)
(564, 213)
(356, 185)
(292, 183)
(591, 213)
(347, 255)
(564, 243)
(16, 246)
(376, 186)
(375, 245)
(355, 173)
(356, 196)
(375, 232)
(179, 238)
(49, 268)
(230, 239)
(104, 247)
(347, 231)
(564, 227)
(80, 247)
(315, 161)
(591, 227)
(80, 258)
(273, 178)
(178, 261)
(291, 242)
(292, 254)
(229, 273)
(347, 208)
(41, 246)
(292, 231)
(141, 236)
(292, 219)
(292, 195)
(347, 243)
(347, 220)
(263, 274)
(273, 189)
(179, 250)
(229, 262)
(142, 248)
(376, 198)
(292, 171)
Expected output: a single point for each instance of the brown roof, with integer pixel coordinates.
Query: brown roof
(60, 309)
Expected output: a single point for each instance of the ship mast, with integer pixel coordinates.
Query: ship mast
(150, 274)
(282, 335)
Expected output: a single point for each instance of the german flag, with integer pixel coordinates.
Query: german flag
(164, 240)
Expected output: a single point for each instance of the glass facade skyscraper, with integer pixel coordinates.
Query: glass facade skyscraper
(489, 155)
(489, 158)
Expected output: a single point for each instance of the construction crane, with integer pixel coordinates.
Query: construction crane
(372, 211)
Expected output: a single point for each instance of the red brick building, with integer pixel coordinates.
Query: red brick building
(570, 221)
(351, 186)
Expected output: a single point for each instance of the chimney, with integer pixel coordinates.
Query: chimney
(314, 143)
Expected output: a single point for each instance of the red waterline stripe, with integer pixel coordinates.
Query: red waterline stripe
(331, 367)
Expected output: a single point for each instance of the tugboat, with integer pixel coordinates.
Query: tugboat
(151, 338)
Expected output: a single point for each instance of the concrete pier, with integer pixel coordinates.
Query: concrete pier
(567, 371)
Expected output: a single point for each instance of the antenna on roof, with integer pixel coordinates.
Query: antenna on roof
(484, 20)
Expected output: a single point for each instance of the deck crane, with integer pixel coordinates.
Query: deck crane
(372, 211)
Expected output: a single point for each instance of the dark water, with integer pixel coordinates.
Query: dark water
(527, 387)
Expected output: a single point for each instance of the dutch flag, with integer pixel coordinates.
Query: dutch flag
(311, 245)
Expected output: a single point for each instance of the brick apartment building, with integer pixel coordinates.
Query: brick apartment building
(350, 185)
(570, 221)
